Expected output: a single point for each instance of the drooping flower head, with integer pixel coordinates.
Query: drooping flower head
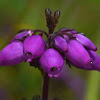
(25, 46)
(49, 55)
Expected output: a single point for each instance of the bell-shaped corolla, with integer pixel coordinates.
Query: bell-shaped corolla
(52, 62)
(22, 34)
(95, 61)
(34, 45)
(12, 54)
(77, 54)
(60, 43)
(87, 43)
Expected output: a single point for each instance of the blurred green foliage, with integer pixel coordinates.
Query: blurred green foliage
(23, 81)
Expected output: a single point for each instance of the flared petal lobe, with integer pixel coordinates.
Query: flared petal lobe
(52, 62)
(85, 42)
(12, 54)
(95, 61)
(77, 54)
(34, 45)
(60, 43)
(22, 34)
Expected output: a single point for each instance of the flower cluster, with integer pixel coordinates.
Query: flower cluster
(65, 44)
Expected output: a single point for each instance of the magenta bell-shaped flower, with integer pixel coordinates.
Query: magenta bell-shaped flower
(12, 54)
(66, 37)
(34, 46)
(87, 43)
(95, 61)
(60, 43)
(77, 54)
(52, 62)
(22, 34)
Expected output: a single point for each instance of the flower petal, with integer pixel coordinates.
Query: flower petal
(60, 43)
(34, 45)
(66, 37)
(77, 54)
(12, 54)
(95, 61)
(85, 42)
(63, 30)
(52, 62)
(70, 31)
(22, 34)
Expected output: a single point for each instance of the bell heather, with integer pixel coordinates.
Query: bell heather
(52, 62)
(12, 54)
(65, 44)
(60, 43)
(22, 34)
(85, 42)
(34, 45)
(49, 55)
(77, 54)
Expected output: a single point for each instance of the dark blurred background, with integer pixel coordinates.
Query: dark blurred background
(22, 81)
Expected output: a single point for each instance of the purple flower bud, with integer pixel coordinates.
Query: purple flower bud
(12, 54)
(74, 32)
(34, 45)
(77, 54)
(60, 43)
(85, 42)
(52, 62)
(66, 37)
(70, 31)
(22, 34)
(63, 30)
(95, 61)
